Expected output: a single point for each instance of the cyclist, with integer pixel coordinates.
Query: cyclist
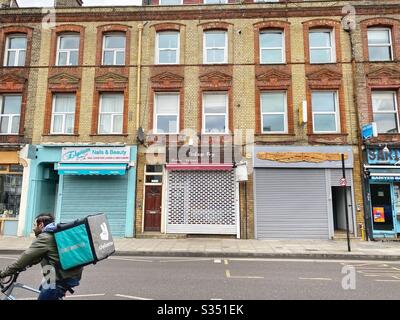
(44, 250)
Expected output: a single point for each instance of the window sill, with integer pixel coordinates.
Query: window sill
(11, 135)
(60, 135)
(275, 135)
(327, 134)
(108, 135)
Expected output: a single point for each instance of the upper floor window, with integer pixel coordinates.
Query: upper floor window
(272, 47)
(10, 113)
(215, 47)
(111, 113)
(170, 2)
(380, 44)
(321, 46)
(166, 113)
(325, 112)
(15, 52)
(68, 50)
(114, 49)
(215, 1)
(215, 112)
(274, 112)
(167, 47)
(385, 110)
(63, 115)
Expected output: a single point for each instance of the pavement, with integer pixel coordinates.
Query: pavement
(239, 248)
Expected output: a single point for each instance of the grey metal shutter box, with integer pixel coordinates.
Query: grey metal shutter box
(291, 204)
(84, 195)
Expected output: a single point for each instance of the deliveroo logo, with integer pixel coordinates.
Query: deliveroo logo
(104, 235)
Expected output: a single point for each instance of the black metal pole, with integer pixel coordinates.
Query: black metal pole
(345, 204)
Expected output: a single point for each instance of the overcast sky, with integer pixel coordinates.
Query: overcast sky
(49, 3)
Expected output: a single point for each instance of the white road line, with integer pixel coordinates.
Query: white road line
(319, 279)
(215, 299)
(9, 258)
(387, 280)
(184, 260)
(228, 275)
(85, 295)
(132, 260)
(344, 262)
(226, 261)
(131, 297)
(217, 261)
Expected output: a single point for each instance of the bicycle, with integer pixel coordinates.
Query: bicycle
(7, 287)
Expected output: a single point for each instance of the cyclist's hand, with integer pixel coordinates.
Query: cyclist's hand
(2, 275)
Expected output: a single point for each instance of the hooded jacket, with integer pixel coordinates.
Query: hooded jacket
(44, 250)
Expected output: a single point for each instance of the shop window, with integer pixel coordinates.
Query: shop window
(274, 112)
(114, 49)
(68, 50)
(111, 113)
(272, 47)
(10, 194)
(325, 112)
(385, 110)
(63, 114)
(380, 44)
(167, 47)
(215, 47)
(166, 113)
(15, 52)
(10, 113)
(321, 46)
(215, 111)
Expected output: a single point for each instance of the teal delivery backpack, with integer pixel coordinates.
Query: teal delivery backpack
(84, 241)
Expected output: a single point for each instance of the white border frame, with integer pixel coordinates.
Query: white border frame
(283, 48)
(114, 50)
(205, 47)
(396, 106)
(68, 51)
(203, 129)
(285, 113)
(155, 115)
(157, 53)
(389, 30)
(111, 113)
(332, 47)
(10, 116)
(17, 51)
(53, 113)
(337, 112)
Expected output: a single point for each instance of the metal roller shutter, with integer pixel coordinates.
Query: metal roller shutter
(84, 195)
(291, 204)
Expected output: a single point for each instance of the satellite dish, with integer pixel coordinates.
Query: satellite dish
(140, 136)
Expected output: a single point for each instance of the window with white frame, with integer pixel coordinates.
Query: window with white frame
(167, 47)
(274, 112)
(170, 2)
(15, 52)
(385, 110)
(325, 112)
(215, 112)
(215, 47)
(63, 113)
(215, 1)
(380, 44)
(166, 115)
(68, 50)
(10, 113)
(154, 174)
(272, 46)
(321, 46)
(114, 49)
(111, 113)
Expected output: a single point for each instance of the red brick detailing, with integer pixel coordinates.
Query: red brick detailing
(276, 25)
(393, 24)
(118, 28)
(167, 26)
(215, 25)
(6, 31)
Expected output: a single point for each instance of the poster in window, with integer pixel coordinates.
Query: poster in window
(379, 214)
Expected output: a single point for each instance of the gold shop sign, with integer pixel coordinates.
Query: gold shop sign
(288, 157)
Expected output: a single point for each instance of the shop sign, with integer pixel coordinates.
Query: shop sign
(385, 178)
(95, 154)
(378, 156)
(203, 154)
(379, 214)
(369, 131)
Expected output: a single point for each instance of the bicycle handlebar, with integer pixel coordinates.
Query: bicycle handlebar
(6, 284)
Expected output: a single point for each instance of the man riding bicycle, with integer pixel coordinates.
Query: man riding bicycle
(44, 250)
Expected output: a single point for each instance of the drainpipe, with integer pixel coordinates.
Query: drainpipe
(138, 85)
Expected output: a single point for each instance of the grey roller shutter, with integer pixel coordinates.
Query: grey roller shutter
(84, 195)
(291, 204)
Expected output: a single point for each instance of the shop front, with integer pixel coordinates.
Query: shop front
(298, 192)
(11, 173)
(383, 182)
(76, 181)
(194, 192)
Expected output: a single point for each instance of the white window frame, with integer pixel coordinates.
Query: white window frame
(68, 51)
(380, 45)
(396, 111)
(63, 114)
(113, 114)
(17, 51)
(114, 50)
(282, 48)
(10, 116)
(337, 112)
(226, 114)
(220, 2)
(332, 47)
(169, 49)
(149, 174)
(155, 120)
(166, 4)
(285, 113)
(205, 47)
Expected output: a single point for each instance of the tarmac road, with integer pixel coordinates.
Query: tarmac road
(168, 278)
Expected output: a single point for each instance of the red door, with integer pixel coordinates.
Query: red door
(152, 210)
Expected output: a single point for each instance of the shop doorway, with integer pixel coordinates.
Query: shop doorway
(382, 210)
(339, 211)
(153, 198)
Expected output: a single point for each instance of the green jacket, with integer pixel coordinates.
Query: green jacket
(44, 250)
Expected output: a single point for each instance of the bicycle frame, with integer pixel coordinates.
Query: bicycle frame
(9, 288)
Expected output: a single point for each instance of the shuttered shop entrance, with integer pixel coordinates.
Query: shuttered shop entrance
(291, 204)
(84, 195)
